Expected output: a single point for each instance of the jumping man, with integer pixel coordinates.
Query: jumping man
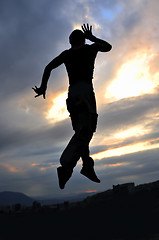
(81, 104)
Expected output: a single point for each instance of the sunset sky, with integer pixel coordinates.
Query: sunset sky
(34, 131)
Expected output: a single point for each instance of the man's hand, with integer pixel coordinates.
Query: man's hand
(100, 45)
(87, 32)
(40, 91)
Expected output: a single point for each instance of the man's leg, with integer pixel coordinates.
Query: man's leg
(68, 161)
(72, 152)
(64, 175)
(88, 166)
(78, 147)
(88, 163)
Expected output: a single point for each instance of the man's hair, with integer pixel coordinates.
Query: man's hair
(76, 36)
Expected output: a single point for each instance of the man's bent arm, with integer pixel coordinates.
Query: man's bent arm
(101, 45)
(47, 71)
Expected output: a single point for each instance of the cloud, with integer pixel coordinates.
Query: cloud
(32, 34)
(127, 112)
(51, 137)
(138, 167)
(127, 125)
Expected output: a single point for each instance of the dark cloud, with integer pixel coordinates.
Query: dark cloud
(31, 34)
(43, 136)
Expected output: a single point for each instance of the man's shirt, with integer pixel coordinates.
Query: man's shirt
(80, 64)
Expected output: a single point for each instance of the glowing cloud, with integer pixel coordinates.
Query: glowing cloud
(76, 26)
(136, 130)
(116, 164)
(90, 191)
(137, 147)
(133, 78)
(58, 111)
(10, 168)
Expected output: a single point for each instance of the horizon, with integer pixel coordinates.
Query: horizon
(79, 197)
(34, 132)
(62, 198)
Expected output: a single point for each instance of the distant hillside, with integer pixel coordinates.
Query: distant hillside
(9, 198)
(70, 199)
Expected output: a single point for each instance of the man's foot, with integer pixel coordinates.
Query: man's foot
(90, 173)
(63, 176)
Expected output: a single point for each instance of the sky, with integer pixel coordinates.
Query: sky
(34, 131)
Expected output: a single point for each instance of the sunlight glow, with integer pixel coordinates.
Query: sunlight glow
(77, 26)
(58, 111)
(90, 191)
(137, 147)
(43, 169)
(11, 168)
(116, 164)
(133, 79)
(133, 131)
(118, 136)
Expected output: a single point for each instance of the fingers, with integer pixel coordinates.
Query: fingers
(86, 27)
(39, 92)
(83, 28)
(35, 89)
(44, 95)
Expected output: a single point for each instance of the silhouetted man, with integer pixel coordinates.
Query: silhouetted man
(81, 104)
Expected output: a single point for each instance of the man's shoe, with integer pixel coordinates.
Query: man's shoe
(63, 176)
(90, 173)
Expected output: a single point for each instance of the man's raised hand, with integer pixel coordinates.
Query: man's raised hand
(87, 31)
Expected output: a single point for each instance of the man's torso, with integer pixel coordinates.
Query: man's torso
(80, 64)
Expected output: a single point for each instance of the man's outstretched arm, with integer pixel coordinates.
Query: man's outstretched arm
(47, 71)
(100, 45)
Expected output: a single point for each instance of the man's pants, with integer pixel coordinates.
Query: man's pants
(84, 124)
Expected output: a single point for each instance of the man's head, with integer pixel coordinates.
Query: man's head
(77, 38)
